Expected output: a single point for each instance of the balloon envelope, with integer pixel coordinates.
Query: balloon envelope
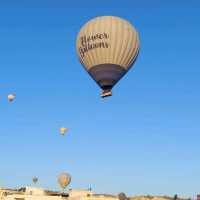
(107, 47)
(122, 196)
(11, 97)
(63, 130)
(64, 180)
(35, 179)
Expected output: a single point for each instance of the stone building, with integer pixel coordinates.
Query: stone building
(30, 193)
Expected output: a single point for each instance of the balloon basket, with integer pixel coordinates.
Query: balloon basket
(106, 93)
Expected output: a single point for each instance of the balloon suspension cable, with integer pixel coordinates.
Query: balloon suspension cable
(106, 93)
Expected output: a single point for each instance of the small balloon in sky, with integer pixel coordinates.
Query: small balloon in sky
(35, 179)
(11, 97)
(63, 130)
(122, 196)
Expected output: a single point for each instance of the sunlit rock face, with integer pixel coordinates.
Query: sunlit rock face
(33, 193)
(148, 197)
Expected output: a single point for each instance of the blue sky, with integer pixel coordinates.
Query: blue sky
(143, 140)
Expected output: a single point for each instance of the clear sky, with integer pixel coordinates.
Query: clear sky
(143, 140)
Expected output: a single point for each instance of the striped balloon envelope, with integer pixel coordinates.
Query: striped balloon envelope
(64, 180)
(107, 47)
(63, 130)
(35, 179)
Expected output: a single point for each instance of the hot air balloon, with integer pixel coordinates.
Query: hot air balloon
(122, 196)
(35, 179)
(63, 130)
(11, 97)
(107, 47)
(64, 180)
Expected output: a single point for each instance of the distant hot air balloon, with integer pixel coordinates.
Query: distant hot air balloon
(63, 130)
(35, 179)
(122, 196)
(11, 97)
(107, 47)
(64, 180)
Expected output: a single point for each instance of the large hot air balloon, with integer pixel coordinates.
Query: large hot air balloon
(64, 180)
(11, 97)
(35, 179)
(63, 130)
(107, 47)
